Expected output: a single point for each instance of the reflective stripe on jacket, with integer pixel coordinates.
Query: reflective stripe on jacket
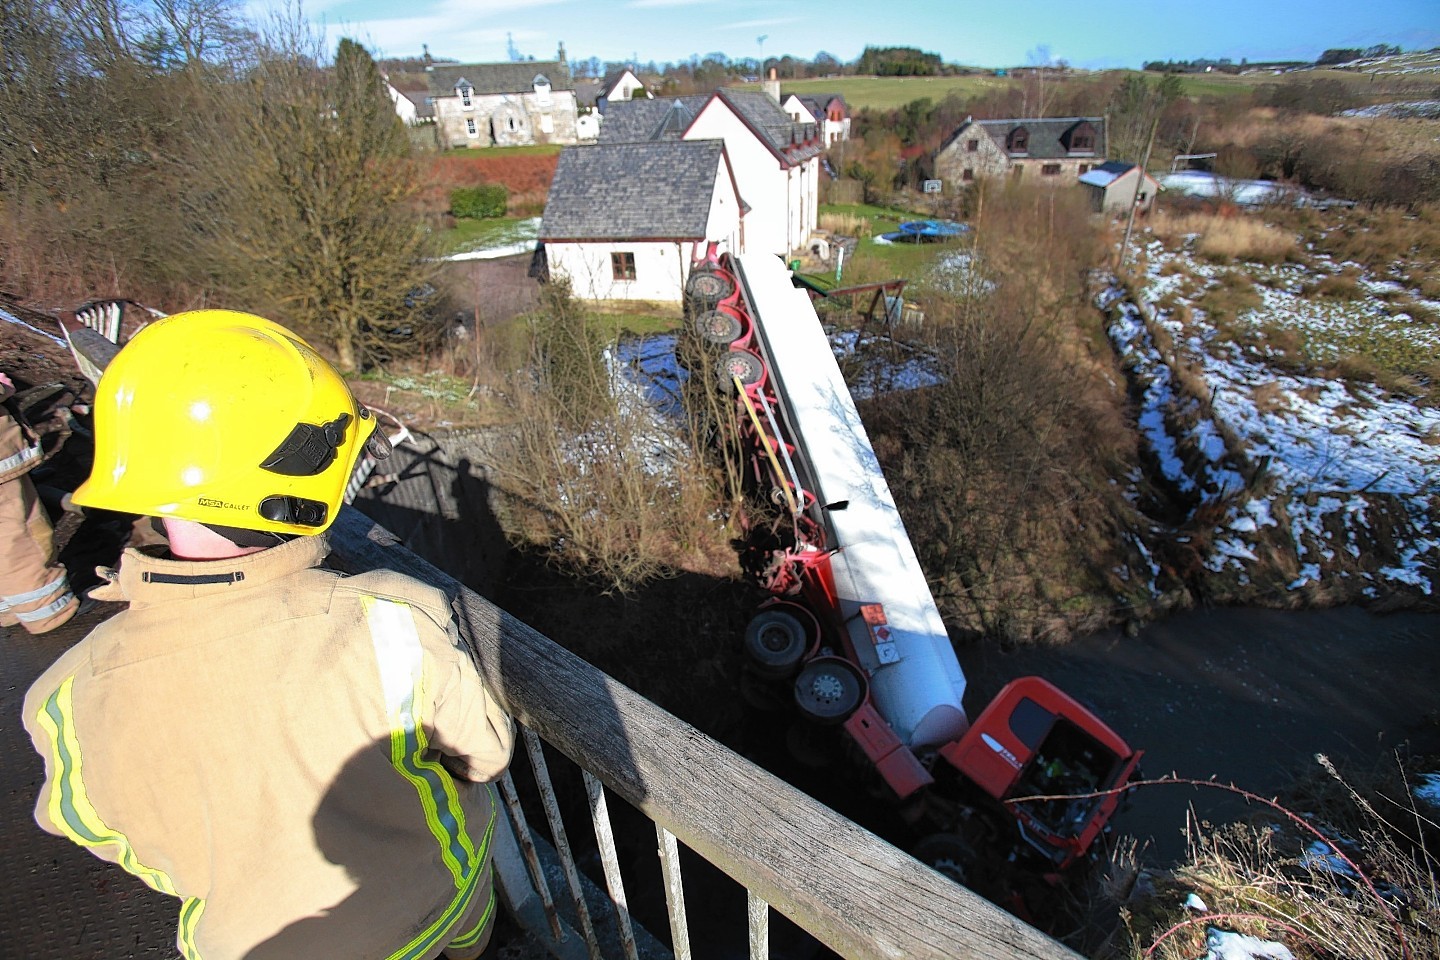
(301, 757)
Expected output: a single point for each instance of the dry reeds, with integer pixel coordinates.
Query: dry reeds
(1220, 239)
(1353, 873)
(845, 224)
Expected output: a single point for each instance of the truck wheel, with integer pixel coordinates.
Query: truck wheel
(949, 854)
(828, 690)
(717, 326)
(706, 288)
(743, 364)
(775, 641)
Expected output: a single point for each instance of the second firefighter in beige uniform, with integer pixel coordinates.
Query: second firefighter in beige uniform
(34, 590)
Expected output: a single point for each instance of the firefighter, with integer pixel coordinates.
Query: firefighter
(34, 590)
(303, 758)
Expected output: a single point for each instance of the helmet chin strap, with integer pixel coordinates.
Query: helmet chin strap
(239, 536)
(242, 537)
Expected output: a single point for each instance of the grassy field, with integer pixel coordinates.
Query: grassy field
(873, 262)
(887, 93)
(468, 234)
(534, 150)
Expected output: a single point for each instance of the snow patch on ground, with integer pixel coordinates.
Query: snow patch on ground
(1225, 945)
(1328, 449)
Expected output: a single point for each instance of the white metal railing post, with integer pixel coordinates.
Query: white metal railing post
(536, 754)
(674, 893)
(605, 837)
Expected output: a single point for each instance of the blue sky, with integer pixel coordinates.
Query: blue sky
(991, 33)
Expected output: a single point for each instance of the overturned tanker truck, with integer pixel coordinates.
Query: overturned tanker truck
(850, 632)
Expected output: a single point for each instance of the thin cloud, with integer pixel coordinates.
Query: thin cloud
(641, 4)
(752, 24)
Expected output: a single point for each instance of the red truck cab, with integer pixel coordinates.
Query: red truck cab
(1054, 765)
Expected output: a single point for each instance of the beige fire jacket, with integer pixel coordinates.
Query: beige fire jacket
(301, 757)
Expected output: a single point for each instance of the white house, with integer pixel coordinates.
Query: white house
(1112, 187)
(829, 111)
(411, 106)
(626, 221)
(503, 104)
(620, 86)
(775, 160)
(777, 164)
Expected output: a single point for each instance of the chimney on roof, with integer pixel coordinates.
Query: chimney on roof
(772, 86)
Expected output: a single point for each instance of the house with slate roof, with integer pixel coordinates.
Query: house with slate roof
(828, 110)
(620, 86)
(1112, 187)
(625, 221)
(412, 106)
(775, 160)
(1049, 150)
(502, 104)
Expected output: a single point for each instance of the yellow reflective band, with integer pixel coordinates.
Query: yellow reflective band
(460, 906)
(69, 806)
(472, 936)
(402, 662)
(190, 912)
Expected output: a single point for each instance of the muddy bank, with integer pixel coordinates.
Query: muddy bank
(1241, 695)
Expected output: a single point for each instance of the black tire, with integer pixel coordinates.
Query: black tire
(828, 690)
(774, 643)
(718, 326)
(948, 854)
(743, 364)
(705, 288)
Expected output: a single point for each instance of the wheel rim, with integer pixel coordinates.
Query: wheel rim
(826, 688)
(775, 638)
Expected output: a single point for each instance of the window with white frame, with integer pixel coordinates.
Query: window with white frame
(465, 100)
(542, 89)
(470, 130)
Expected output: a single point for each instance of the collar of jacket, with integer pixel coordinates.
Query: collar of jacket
(147, 579)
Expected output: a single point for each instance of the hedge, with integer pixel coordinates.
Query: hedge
(486, 200)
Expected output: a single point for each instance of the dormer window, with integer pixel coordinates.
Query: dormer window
(1018, 141)
(541, 83)
(464, 90)
(1082, 139)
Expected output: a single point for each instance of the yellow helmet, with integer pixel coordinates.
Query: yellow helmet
(226, 419)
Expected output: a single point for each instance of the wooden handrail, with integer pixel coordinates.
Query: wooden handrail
(851, 890)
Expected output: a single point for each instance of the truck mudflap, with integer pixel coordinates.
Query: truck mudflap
(901, 770)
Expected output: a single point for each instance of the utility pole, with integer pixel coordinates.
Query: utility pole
(1135, 198)
(760, 42)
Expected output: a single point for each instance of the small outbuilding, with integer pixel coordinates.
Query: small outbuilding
(1112, 187)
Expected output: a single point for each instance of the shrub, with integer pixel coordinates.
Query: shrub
(1344, 285)
(486, 200)
(1233, 295)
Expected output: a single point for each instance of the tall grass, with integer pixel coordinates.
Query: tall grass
(1370, 888)
(1228, 239)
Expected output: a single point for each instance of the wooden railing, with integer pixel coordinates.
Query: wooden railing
(849, 889)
